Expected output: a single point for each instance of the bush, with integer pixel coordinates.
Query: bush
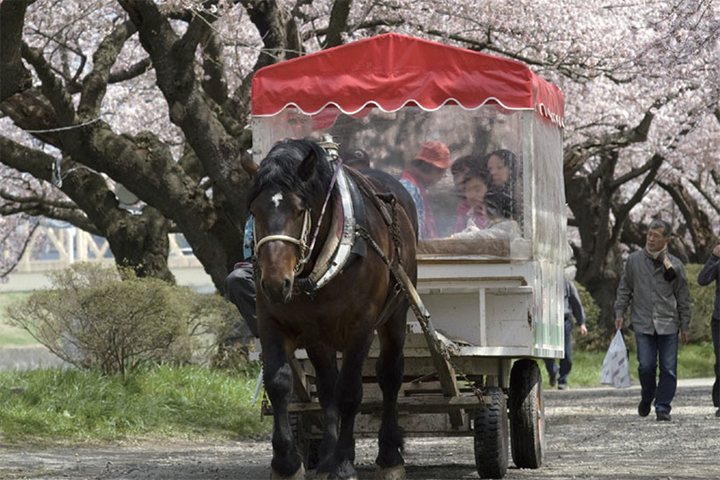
(702, 300)
(91, 318)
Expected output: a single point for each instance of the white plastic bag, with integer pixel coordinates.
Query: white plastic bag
(616, 368)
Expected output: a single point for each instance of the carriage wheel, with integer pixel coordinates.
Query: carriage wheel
(491, 436)
(527, 415)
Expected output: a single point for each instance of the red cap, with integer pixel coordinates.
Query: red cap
(435, 153)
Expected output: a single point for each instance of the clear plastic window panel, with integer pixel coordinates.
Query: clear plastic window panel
(469, 171)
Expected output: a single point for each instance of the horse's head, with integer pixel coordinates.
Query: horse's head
(290, 185)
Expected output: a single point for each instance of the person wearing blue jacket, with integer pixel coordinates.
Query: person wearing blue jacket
(711, 273)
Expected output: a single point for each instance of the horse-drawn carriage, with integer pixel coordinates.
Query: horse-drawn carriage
(494, 298)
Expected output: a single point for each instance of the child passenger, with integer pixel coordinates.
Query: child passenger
(498, 224)
(473, 186)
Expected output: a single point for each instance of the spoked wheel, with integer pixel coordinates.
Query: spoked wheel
(491, 436)
(527, 414)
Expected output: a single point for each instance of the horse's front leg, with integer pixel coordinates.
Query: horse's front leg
(287, 461)
(324, 360)
(389, 369)
(348, 396)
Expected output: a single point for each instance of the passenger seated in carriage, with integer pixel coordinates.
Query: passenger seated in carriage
(426, 170)
(498, 221)
(503, 177)
(473, 186)
(460, 169)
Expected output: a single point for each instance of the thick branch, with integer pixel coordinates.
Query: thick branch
(131, 72)
(52, 87)
(338, 23)
(697, 220)
(95, 84)
(622, 213)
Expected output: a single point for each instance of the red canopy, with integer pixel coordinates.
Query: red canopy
(391, 70)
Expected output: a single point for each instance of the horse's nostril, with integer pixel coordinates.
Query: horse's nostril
(287, 285)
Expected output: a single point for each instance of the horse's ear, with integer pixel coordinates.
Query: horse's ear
(307, 166)
(247, 163)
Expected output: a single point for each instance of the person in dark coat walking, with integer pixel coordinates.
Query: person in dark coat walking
(573, 308)
(711, 273)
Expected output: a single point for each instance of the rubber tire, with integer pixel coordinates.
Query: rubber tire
(527, 414)
(491, 436)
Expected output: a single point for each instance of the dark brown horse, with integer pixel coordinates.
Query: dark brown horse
(286, 199)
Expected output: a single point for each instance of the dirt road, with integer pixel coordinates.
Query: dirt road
(591, 434)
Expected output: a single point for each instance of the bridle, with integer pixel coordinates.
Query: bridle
(302, 242)
(304, 249)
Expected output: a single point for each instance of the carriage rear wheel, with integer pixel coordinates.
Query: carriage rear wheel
(491, 436)
(527, 415)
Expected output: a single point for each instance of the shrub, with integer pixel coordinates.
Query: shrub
(91, 318)
(702, 300)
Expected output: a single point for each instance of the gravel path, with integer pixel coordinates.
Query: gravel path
(592, 434)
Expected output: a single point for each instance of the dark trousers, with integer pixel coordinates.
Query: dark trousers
(650, 349)
(566, 361)
(240, 290)
(715, 328)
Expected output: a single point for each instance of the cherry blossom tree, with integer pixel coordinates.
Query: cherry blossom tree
(153, 97)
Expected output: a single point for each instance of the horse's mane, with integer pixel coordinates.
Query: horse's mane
(280, 170)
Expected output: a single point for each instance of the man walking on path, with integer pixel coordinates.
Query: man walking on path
(573, 308)
(654, 282)
(711, 273)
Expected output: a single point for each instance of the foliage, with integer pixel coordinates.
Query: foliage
(50, 405)
(702, 300)
(93, 319)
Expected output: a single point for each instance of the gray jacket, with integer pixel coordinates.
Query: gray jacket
(658, 306)
(710, 273)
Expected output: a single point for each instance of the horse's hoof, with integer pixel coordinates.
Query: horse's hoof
(393, 473)
(299, 475)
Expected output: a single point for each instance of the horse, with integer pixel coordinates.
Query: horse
(294, 192)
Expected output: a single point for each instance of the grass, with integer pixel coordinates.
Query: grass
(190, 402)
(694, 361)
